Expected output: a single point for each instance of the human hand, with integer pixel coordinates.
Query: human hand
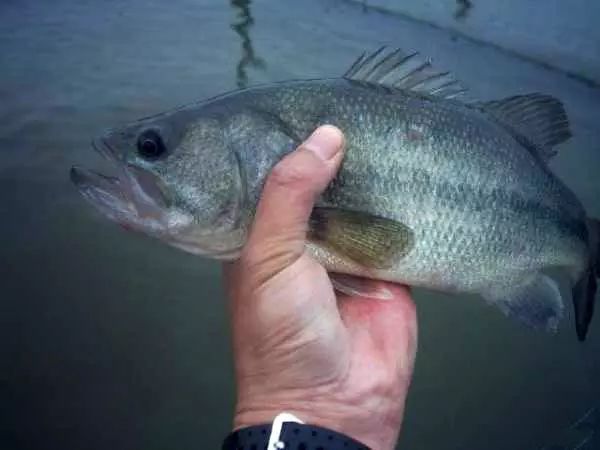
(342, 363)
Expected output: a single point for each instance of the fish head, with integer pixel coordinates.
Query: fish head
(176, 180)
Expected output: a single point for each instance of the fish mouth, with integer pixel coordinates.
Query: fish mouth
(138, 200)
(134, 197)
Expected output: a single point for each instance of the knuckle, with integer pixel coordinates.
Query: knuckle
(288, 175)
(300, 169)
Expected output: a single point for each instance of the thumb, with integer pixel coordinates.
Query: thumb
(279, 231)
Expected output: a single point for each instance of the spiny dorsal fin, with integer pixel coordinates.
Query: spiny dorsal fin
(541, 119)
(401, 70)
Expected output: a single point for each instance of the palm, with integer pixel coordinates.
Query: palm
(339, 362)
(321, 344)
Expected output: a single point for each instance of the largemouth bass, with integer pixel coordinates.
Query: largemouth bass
(434, 191)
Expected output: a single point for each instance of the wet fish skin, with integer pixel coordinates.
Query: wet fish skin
(447, 171)
(472, 186)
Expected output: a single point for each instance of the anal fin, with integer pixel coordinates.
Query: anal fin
(536, 302)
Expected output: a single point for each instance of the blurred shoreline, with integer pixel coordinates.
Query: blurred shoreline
(566, 39)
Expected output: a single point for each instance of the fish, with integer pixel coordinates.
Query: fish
(436, 189)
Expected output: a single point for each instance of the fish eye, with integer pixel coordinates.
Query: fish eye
(150, 144)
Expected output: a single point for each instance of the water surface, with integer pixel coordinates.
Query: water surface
(113, 340)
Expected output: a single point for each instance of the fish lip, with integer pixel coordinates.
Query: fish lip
(82, 177)
(134, 196)
(102, 146)
(115, 199)
(145, 180)
(104, 192)
(139, 200)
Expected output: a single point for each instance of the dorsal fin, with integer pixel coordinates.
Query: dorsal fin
(401, 70)
(541, 119)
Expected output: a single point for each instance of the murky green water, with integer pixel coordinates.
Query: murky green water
(112, 340)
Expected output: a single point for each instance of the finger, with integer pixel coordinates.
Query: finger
(279, 231)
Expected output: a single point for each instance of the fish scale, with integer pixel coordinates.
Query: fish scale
(435, 190)
(448, 158)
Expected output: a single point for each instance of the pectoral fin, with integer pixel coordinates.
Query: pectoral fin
(536, 302)
(371, 241)
(360, 287)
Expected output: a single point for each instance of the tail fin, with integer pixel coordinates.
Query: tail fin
(584, 291)
(594, 232)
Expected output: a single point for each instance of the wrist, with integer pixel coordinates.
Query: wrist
(376, 425)
(288, 431)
